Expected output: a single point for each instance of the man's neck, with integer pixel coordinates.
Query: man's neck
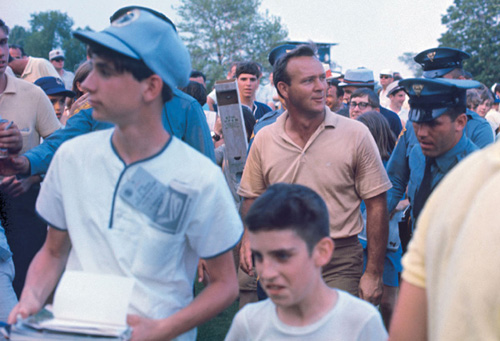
(311, 309)
(60, 71)
(395, 108)
(247, 101)
(141, 139)
(3, 82)
(300, 127)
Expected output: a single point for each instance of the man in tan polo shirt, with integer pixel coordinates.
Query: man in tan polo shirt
(333, 155)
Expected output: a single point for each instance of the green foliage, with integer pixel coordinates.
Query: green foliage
(414, 67)
(49, 30)
(218, 32)
(474, 27)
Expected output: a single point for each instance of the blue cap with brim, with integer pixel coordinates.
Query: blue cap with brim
(141, 35)
(431, 98)
(54, 86)
(437, 62)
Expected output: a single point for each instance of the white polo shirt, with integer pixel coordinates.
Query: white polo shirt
(151, 220)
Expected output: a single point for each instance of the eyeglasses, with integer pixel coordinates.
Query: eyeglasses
(58, 59)
(361, 105)
(385, 76)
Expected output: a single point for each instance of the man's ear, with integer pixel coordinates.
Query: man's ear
(461, 121)
(153, 86)
(323, 251)
(283, 89)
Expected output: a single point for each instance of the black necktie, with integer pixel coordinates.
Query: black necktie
(424, 190)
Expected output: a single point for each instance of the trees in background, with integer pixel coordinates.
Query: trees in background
(474, 27)
(49, 30)
(218, 32)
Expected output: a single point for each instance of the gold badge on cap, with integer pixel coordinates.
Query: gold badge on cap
(431, 56)
(127, 18)
(418, 89)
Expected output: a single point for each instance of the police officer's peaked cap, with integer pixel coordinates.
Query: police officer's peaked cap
(431, 98)
(279, 51)
(438, 61)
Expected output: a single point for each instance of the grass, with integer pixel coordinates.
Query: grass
(217, 328)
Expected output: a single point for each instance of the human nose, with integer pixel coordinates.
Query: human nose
(421, 130)
(88, 85)
(266, 269)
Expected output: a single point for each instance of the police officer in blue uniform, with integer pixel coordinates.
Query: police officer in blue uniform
(438, 116)
(441, 62)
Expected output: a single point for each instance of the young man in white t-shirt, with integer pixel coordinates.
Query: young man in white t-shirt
(133, 200)
(289, 236)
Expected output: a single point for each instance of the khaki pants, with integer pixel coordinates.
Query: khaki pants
(346, 265)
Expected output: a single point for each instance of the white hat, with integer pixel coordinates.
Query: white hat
(56, 53)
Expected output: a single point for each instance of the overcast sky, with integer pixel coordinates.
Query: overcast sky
(369, 33)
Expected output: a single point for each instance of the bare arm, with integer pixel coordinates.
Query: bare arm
(220, 293)
(377, 228)
(409, 321)
(245, 252)
(43, 274)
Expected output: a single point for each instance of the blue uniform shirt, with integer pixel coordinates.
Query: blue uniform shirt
(413, 174)
(182, 117)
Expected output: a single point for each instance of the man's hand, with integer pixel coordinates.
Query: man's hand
(203, 275)
(145, 329)
(11, 138)
(14, 187)
(27, 306)
(371, 288)
(14, 165)
(246, 255)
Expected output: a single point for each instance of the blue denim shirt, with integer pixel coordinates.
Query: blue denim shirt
(182, 117)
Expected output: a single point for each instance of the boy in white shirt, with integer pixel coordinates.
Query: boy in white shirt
(289, 233)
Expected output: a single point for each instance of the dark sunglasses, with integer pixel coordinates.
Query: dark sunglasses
(385, 76)
(58, 59)
(361, 105)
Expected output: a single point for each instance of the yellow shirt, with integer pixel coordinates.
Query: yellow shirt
(455, 253)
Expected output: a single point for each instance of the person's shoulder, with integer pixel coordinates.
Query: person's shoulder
(181, 96)
(94, 139)
(24, 88)
(189, 157)
(263, 106)
(257, 310)
(354, 307)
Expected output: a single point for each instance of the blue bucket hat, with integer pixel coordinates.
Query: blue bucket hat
(438, 61)
(142, 34)
(431, 98)
(54, 86)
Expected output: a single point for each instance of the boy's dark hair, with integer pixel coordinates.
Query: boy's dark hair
(290, 207)
(373, 99)
(197, 91)
(4, 27)
(279, 70)
(251, 68)
(249, 120)
(122, 63)
(196, 74)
